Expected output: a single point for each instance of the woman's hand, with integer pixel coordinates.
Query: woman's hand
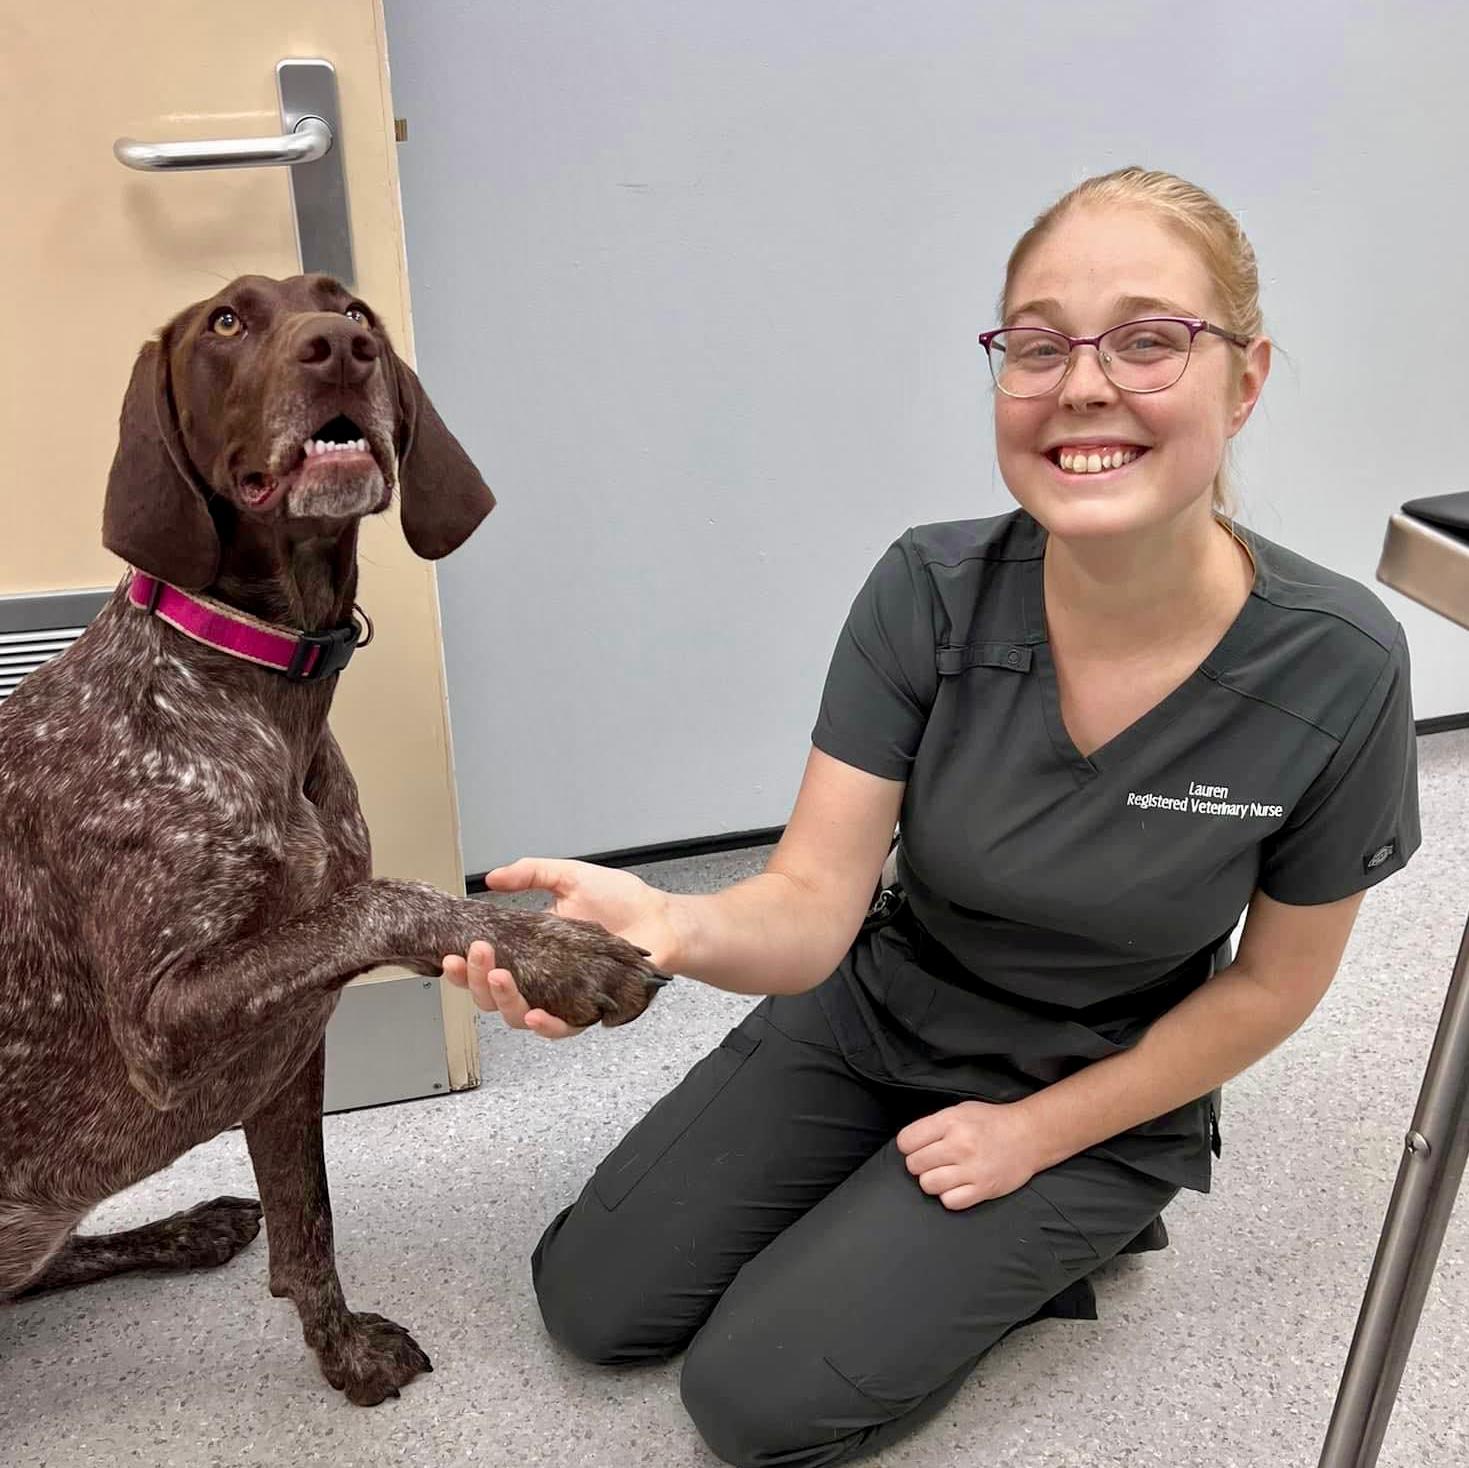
(619, 901)
(968, 1153)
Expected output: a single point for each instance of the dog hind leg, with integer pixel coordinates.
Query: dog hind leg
(201, 1237)
(363, 1355)
(31, 1235)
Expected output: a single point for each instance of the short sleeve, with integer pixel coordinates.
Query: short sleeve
(882, 679)
(1358, 821)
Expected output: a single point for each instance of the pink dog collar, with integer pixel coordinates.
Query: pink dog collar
(304, 657)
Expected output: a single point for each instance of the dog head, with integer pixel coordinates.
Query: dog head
(283, 401)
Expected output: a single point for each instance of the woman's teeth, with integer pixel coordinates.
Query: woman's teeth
(1093, 461)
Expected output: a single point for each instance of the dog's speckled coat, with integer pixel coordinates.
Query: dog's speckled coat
(184, 868)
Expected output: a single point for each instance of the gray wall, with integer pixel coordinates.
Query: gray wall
(697, 284)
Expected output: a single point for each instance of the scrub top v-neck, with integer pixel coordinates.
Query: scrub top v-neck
(1088, 766)
(1053, 897)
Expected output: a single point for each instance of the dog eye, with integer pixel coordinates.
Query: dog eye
(224, 322)
(359, 313)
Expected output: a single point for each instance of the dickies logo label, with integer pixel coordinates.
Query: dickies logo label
(1370, 863)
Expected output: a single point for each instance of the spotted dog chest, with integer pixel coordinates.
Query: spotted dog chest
(265, 855)
(321, 840)
(322, 851)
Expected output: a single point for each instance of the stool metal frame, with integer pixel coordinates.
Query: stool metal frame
(1425, 556)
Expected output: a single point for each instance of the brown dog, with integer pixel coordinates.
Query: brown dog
(184, 870)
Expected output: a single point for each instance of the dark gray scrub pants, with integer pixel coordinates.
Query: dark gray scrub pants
(762, 1216)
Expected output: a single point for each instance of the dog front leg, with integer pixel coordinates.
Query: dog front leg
(365, 1356)
(178, 1016)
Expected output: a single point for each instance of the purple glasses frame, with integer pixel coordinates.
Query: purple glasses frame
(1195, 325)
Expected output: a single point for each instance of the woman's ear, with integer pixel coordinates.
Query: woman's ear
(155, 516)
(1251, 381)
(441, 495)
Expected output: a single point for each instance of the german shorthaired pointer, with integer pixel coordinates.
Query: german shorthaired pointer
(184, 869)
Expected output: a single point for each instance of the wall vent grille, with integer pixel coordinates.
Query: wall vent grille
(34, 629)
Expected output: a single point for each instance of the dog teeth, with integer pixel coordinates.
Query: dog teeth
(316, 446)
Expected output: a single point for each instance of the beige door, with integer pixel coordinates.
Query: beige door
(95, 256)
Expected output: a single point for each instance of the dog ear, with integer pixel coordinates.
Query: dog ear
(155, 515)
(441, 495)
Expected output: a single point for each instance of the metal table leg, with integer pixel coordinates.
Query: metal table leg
(1422, 1200)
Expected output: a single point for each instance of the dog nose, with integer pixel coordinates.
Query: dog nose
(339, 352)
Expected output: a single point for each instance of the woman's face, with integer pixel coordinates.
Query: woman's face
(1096, 269)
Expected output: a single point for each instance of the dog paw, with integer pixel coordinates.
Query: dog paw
(583, 974)
(370, 1358)
(622, 997)
(205, 1235)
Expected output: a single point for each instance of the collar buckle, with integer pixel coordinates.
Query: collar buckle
(333, 649)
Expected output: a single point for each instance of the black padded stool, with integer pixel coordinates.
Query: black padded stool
(1425, 556)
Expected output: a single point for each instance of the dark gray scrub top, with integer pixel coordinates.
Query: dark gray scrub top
(1063, 901)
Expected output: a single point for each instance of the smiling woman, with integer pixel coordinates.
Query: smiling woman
(1199, 259)
(1001, 1076)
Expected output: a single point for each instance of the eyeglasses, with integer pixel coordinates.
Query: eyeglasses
(1138, 356)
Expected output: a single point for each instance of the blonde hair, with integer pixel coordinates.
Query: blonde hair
(1204, 223)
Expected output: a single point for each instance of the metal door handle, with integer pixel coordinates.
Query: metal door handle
(309, 144)
(312, 139)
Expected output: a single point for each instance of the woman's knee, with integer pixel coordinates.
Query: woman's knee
(590, 1300)
(737, 1421)
(754, 1408)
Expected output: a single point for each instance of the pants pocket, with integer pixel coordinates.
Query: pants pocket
(671, 1117)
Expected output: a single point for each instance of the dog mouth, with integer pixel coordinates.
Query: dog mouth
(335, 469)
(339, 435)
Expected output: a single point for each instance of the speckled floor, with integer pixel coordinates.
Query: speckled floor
(1223, 1352)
